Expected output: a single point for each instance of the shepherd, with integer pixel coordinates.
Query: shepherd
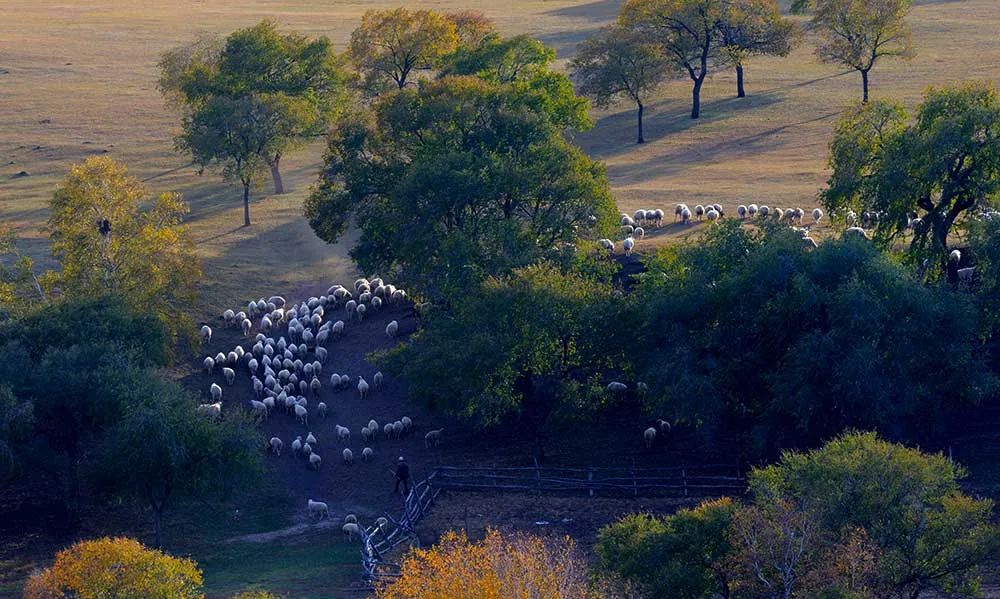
(402, 475)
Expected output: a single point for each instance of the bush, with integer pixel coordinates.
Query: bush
(116, 567)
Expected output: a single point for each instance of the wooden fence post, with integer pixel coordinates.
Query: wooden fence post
(684, 480)
(590, 479)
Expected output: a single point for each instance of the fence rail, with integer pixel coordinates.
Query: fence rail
(693, 482)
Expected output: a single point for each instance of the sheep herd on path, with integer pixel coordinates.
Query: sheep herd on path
(289, 362)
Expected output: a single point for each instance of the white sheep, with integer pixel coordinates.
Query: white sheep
(276, 445)
(351, 530)
(753, 210)
(230, 375)
(817, 215)
(318, 508)
(367, 453)
(763, 211)
(206, 334)
(377, 379)
(686, 216)
(616, 387)
(362, 387)
(208, 364)
(855, 232)
(337, 329)
(216, 392)
(350, 518)
(348, 456)
(398, 429)
(360, 311)
(407, 424)
(258, 408)
(301, 415)
(245, 326)
(433, 438)
(315, 461)
(366, 434)
(607, 244)
(628, 244)
(741, 210)
(639, 233)
(350, 308)
(321, 409)
(712, 215)
(955, 256)
(649, 436)
(391, 329)
(343, 433)
(307, 449)
(310, 439)
(387, 430)
(297, 445)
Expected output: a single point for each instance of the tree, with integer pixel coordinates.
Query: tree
(857, 33)
(485, 165)
(161, 449)
(687, 32)
(281, 88)
(755, 28)
(513, 565)
(116, 567)
(619, 63)
(931, 536)
(940, 167)
(20, 287)
(500, 60)
(471, 28)
(112, 237)
(390, 44)
(540, 344)
(684, 555)
(758, 377)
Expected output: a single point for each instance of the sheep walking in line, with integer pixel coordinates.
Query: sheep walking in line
(628, 244)
(362, 387)
(348, 456)
(301, 415)
(377, 379)
(216, 392)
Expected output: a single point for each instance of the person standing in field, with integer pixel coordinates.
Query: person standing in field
(402, 475)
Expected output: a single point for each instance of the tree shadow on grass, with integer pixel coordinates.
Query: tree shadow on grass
(599, 11)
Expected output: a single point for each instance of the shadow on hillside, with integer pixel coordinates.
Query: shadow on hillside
(599, 11)
(565, 42)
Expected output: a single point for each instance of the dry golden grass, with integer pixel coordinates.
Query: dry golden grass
(78, 78)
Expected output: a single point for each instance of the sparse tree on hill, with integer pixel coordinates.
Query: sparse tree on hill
(687, 32)
(120, 568)
(858, 33)
(112, 237)
(755, 28)
(941, 166)
(620, 63)
(390, 44)
(282, 90)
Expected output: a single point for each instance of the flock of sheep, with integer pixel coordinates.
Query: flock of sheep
(284, 366)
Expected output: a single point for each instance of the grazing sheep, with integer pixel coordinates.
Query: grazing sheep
(257, 408)
(809, 242)
(763, 211)
(350, 518)
(367, 453)
(350, 307)
(276, 445)
(433, 438)
(321, 410)
(699, 211)
(387, 430)
(817, 215)
(966, 276)
(315, 461)
(607, 244)
(206, 334)
(649, 436)
(214, 410)
(616, 387)
(741, 210)
(752, 210)
(407, 423)
(856, 232)
(360, 311)
(712, 215)
(269, 404)
(373, 427)
(246, 326)
(366, 434)
(343, 433)
(639, 233)
(362, 387)
(318, 507)
(348, 456)
(310, 439)
(216, 392)
(686, 216)
(307, 449)
(337, 329)
(398, 429)
(297, 445)
(230, 375)
(377, 379)
(208, 364)
(391, 329)
(301, 415)
(628, 244)
(315, 385)
(955, 256)
(351, 530)
(376, 303)
(678, 211)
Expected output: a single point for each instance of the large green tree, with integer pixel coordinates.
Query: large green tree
(755, 28)
(858, 33)
(251, 98)
(686, 30)
(616, 63)
(461, 179)
(941, 166)
(541, 340)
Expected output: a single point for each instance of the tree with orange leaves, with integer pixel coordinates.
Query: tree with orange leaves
(501, 566)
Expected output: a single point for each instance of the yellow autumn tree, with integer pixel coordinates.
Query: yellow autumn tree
(514, 566)
(113, 237)
(116, 567)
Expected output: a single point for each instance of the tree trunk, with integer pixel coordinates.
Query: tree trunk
(279, 185)
(864, 86)
(696, 98)
(641, 139)
(246, 203)
(740, 92)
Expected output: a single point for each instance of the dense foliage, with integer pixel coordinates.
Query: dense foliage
(461, 179)
(752, 331)
(859, 517)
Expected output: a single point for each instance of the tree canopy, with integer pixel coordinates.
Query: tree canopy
(461, 179)
(754, 28)
(939, 168)
(618, 62)
(112, 237)
(391, 44)
(249, 99)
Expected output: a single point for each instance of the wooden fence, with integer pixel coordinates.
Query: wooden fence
(693, 482)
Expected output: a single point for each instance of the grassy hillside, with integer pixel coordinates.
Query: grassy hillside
(79, 78)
